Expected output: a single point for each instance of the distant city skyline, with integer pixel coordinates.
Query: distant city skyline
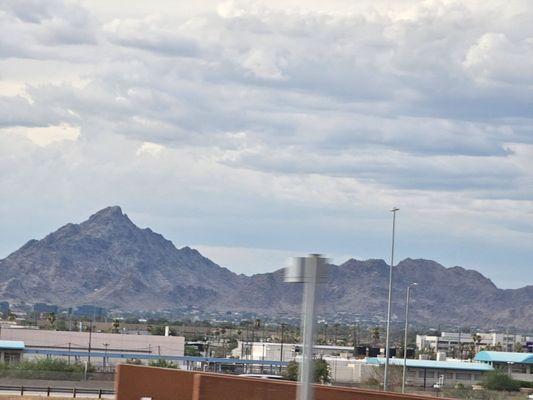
(257, 130)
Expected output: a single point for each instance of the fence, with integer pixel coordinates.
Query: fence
(136, 383)
(59, 390)
(43, 374)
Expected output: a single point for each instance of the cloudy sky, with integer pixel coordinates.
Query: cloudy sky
(257, 130)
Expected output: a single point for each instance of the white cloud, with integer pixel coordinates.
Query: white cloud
(228, 123)
(152, 149)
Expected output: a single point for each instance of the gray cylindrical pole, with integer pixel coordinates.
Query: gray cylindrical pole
(305, 390)
(405, 335)
(389, 304)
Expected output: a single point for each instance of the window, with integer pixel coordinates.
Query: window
(11, 358)
(463, 376)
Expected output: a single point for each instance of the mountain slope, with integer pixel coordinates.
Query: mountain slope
(109, 261)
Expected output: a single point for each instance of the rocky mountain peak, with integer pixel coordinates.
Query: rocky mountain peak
(109, 261)
(108, 214)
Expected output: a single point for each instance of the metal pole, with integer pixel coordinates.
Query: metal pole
(405, 335)
(305, 391)
(389, 306)
(281, 347)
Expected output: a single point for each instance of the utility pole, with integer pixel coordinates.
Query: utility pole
(281, 346)
(389, 307)
(405, 334)
(90, 338)
(355, 338)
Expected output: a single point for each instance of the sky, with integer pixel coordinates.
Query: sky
(260, 130)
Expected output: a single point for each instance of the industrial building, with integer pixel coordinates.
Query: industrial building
(272, 351)
(447, 373)
(517, 365)
(110, 347)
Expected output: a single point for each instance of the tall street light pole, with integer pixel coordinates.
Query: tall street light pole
(405, 333)
(389, 307)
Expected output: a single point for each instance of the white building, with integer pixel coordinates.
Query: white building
(63, 343)
(451, 342)
(272, 351)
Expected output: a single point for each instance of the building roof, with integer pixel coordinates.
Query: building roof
(11, 345)
(430, 364)
(505, 357)
(145, 356)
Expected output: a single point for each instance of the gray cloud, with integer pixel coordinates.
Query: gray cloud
(426, 104)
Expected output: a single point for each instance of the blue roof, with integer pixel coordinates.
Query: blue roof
(430, 364)
(11, 345)
(145, 356)
(505, 357)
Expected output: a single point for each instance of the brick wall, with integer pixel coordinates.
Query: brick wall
(136, 382)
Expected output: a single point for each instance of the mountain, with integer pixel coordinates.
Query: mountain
(109, 261)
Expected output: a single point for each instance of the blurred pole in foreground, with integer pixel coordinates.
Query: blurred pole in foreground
(310, 271)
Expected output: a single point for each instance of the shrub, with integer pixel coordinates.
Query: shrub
(161, 363)
(496, 380)
(321, 371)
(526, 384)
(44, 368)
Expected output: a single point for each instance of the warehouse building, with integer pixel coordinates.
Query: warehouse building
(110, 347)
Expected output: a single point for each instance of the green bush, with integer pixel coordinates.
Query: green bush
(161, 363)
(321, 371)
(526, 384)
(496, 380)
(44, 368)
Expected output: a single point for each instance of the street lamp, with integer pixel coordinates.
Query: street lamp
(405, 333)
(389, 307)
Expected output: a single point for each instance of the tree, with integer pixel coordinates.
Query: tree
(160, 330)
(51, 318)
(518, 347)
(497, 380)
(321, 372)
(477, 340)
(116, 325)
(291, 373)
(375, 335)
(11, 317)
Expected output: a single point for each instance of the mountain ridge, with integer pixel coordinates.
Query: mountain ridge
(108, 261)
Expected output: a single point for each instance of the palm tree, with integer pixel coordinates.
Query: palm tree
(11, 317)
(116, 325)
(51, 318)
(375, 335)
(477, 340)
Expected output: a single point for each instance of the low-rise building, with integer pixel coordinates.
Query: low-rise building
(517, 365)
(11, 351)
(453, 342)
(272, 351)
(71, 344)
(426, 373)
